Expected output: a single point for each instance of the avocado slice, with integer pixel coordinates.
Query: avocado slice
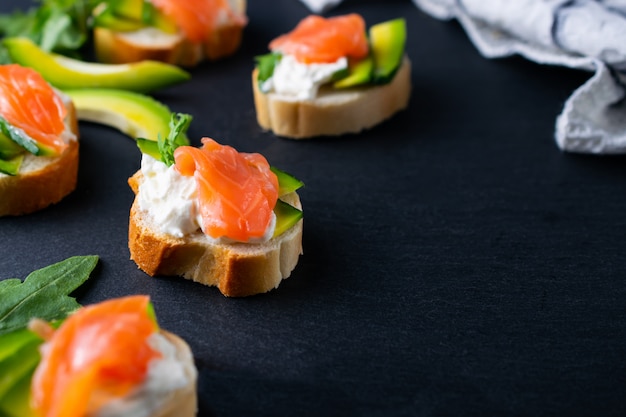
(387, 41)
(23, 362)
(14, 143)
(9, 133)
(67, 73)
(287, 183)
(286, 217)
(134, 114)
(16, 402)
(19, 356)
(105, 17)
(8, 148)
(360, 72)
(11, 166)
(130, 15)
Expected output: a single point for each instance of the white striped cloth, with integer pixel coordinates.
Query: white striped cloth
(584, 34)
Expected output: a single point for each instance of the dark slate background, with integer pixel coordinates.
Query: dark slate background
(456, 261)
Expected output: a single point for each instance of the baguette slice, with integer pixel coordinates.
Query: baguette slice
(236, 269)
(333, 112)
(152, 44)
(181, 401)
(41, 181)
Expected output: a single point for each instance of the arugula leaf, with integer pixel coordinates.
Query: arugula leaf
(163, 149)
(60, 26)
(44, 293)
(266, 64)
(179, 123)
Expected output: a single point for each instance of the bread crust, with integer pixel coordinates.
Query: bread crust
(333, 112)
(42, 181)
(236, 269)
(118, 48)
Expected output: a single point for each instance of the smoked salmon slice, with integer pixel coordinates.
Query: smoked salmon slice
(99, 353)
(237, 191)
(198, 18)
(322, 40)
(29, 103)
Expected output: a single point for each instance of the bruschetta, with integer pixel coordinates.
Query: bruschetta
(179, 32)
(38, 142)
(113, 359)
(214, 215)
(330, 76)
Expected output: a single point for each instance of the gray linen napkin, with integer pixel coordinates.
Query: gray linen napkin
(582, 34)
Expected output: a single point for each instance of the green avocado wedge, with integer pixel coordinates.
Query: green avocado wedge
(68, 73)
(16, 402)
(387, 41)
(286, 182)
(360, 72)
(11, 166)
(130, 15)
(133, 114)
(286, 217)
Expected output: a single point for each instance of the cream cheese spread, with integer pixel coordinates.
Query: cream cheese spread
(301, 81)
(67, 135)
(151, 37)
(165, 375)
(170, 198)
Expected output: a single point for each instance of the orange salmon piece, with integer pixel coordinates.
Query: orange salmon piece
(29, 103)
(99, 353)
(322, 40)
(237, 191)
(198, 18)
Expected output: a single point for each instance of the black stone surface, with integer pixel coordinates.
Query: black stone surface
(456, 263)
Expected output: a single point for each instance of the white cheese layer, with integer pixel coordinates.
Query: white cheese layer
(67, 134)
(301, 81)
(170, 199)
(165, 375)
(151, 37)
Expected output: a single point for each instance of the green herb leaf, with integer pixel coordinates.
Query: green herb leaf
(60, 26)
(44, 293)
(266, 64)
(179, 123)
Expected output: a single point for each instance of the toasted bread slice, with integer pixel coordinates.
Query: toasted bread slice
(237, 269)
(151, 44)
(334, 111)
(42, 180)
